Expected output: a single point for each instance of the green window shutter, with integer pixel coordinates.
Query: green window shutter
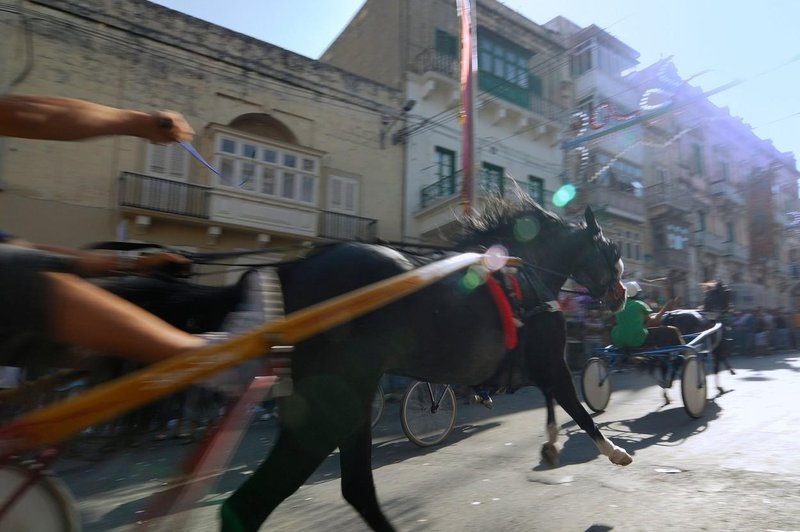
(535, 84)
(446, 43)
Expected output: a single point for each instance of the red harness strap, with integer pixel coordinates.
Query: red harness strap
(504, 308)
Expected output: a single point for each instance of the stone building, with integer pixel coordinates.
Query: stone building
(519, 110)
(297, 141)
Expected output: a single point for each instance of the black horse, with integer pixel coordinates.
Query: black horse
(690, 321)
(448, 332)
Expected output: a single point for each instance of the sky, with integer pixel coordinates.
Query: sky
(712, 41)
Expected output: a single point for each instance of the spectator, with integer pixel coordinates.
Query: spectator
(594, 331)
(761, 330)
(780, 334)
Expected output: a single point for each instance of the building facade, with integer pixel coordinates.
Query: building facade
(297, 142)
(519, 108)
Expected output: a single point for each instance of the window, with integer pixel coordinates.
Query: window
(447, 44)
(492, 179)
(536, 189)
(167, 161)
(586, 105)
(581, 61)
(677, 236)
(264, 169)
(697, 159)
(503, 70)
(701, 221)
(724, 171)
(446, 169)
(343, 194)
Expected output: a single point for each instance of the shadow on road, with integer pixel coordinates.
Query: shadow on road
(669, 426)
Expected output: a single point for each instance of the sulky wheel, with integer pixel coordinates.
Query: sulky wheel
(44, 505)
(378, 403)
(596, 384)
(428, 412)
(693, 386)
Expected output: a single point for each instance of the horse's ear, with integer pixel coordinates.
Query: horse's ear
(591, 223)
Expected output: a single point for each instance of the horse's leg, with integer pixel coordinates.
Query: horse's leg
(549, 451)
(282, 473)
(358, 485)
(563, 390)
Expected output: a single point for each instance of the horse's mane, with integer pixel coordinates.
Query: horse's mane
(499, 216)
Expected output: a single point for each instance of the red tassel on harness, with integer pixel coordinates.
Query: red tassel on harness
(504, 308)
(514, 286)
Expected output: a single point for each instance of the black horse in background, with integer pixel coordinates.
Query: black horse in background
(690, 321)
(716, 305)
(448, 332)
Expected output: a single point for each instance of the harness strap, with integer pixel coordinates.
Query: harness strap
(504, 308)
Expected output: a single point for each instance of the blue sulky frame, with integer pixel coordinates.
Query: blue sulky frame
(689, 359)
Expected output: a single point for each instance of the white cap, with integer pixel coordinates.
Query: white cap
(632, 288)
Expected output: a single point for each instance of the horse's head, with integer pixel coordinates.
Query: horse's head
(599, 266)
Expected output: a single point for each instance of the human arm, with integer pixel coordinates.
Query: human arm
(96, 264)
(654, 320)
(54, 118)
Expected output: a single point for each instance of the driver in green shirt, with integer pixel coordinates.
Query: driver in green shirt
(637, 326)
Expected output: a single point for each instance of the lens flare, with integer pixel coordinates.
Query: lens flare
(472, 279)
(526, 229)
(496, 257)
(564, 195)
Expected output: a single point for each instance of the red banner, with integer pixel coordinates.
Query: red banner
(468, 65)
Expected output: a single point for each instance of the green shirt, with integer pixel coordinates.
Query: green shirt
(630, 330)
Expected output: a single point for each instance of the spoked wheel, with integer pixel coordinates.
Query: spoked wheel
(378, 403)
(45, 505)
(596, 384)
(428, 412)
(693, 386)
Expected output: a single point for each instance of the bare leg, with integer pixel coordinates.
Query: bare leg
(87, 316)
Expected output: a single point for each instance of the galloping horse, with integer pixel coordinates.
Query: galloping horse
(690, 321)
(450, 332)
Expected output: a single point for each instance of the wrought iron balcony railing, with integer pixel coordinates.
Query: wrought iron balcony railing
(163, 195)
(340, 226)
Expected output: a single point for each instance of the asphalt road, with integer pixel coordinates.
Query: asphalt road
(737, 468)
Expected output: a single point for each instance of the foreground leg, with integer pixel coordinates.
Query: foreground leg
(284, 471)
(87, 316)
(564, 392)
(549, 452)
(358, 485)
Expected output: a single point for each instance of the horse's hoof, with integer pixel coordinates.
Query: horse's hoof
(620, 457)
(550, 455)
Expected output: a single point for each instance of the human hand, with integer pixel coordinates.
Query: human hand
(171, 263)
(170, 127)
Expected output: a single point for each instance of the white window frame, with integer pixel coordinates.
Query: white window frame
(306, 167)
(349, 186)
(176, 161)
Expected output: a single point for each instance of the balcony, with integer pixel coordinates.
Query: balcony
(614, 201)
(737, 251)
(671, 259)
(776, 266)
(444, 188)
(664, 199)
(340, 226)
(711, 242)
(240, 209)
(163, 195)
(433, 61)
(495, 87)
(726, 194)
